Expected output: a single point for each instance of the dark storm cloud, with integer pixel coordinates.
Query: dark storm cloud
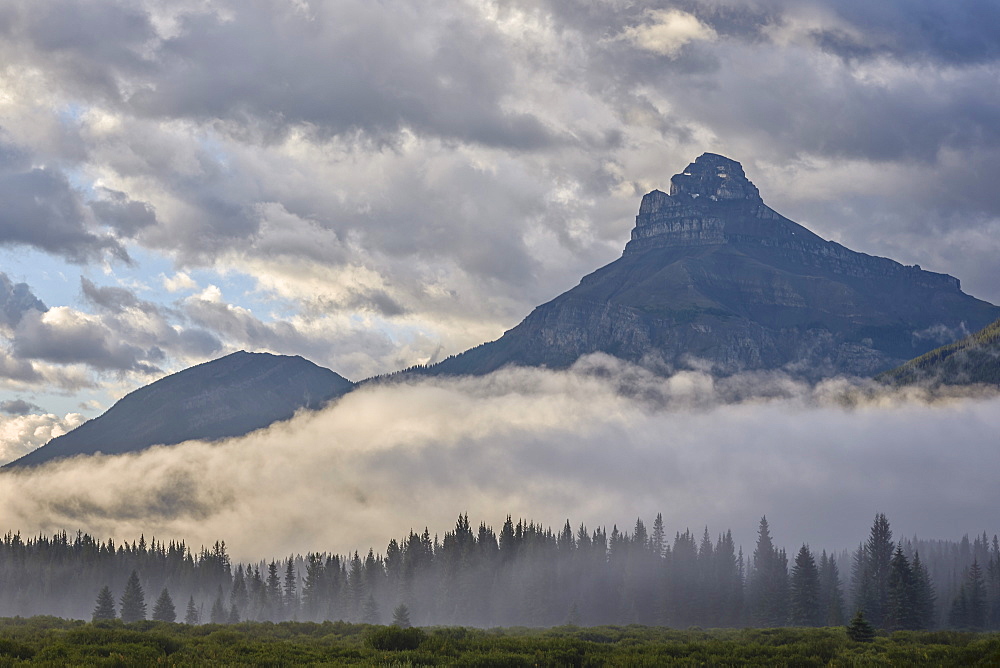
(15, 300)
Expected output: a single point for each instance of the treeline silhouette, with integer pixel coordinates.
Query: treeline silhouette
(525, 575)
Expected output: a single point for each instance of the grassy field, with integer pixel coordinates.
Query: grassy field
(57, 642)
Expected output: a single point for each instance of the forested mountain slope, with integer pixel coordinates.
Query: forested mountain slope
(974, 359)
(230, 396)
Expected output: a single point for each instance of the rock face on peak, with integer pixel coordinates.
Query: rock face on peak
(230, 396)
(712, 275)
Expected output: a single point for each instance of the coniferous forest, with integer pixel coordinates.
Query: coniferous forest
(525, 575)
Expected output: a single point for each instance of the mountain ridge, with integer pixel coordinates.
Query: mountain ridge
(229, 396)
(713, 275)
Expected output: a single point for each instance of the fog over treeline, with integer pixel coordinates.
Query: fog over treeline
(522, 575)
(603, 442)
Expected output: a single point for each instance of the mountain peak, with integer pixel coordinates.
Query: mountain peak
(715, 177)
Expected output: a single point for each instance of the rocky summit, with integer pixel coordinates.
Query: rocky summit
(712, 277)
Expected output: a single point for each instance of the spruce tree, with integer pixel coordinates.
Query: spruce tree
(923, 594)
(860, 630)
(291, 598)
(975, 589)
(805, 591)
(272, 593)
(163, 610)
(191, 616)
(401, 616)
(768, 581)
(831, 596)
(238, 594)
(133, 603)
(879, 550)
(105, 608)
(218, 614)
(370, 614)
(901, 610)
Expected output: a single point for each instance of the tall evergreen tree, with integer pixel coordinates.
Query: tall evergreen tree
(975, 589)
(804, 598)
(923, 594)
(105, 608)
(291, 598)
(218, 614)
(163, 609)
(191, 616)
(878, 550)
(133, 602)
(272, 594)
(901, 610)
(831, 595)
(238, 595)
(768, 581)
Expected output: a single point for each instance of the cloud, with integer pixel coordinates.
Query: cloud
(398, 181)
(179, 281)
(16, 299)
(17, 407)
(123, 214)
(667, 31)
(601, 444)
(22, 432)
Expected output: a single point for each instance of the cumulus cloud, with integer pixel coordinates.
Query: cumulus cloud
(667, 31)
(16, 299)
(21, 433)
(601, 444)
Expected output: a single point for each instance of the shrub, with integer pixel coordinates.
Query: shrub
(393, 638)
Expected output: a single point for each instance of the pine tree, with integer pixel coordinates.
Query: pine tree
(133, 603)
(192, 616)
(658, 539)
(370, 614)
(105, 608)
(975, 590)
(805, 589)
(234, 615)
(238, 594)
(218, 614)
(401, 616)
(272, 593)
(860, 630)
(291, 599)
(831, 597)
(923, 594)
(901, 610)
(163, 610)
(768, 582)
(878, 550)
